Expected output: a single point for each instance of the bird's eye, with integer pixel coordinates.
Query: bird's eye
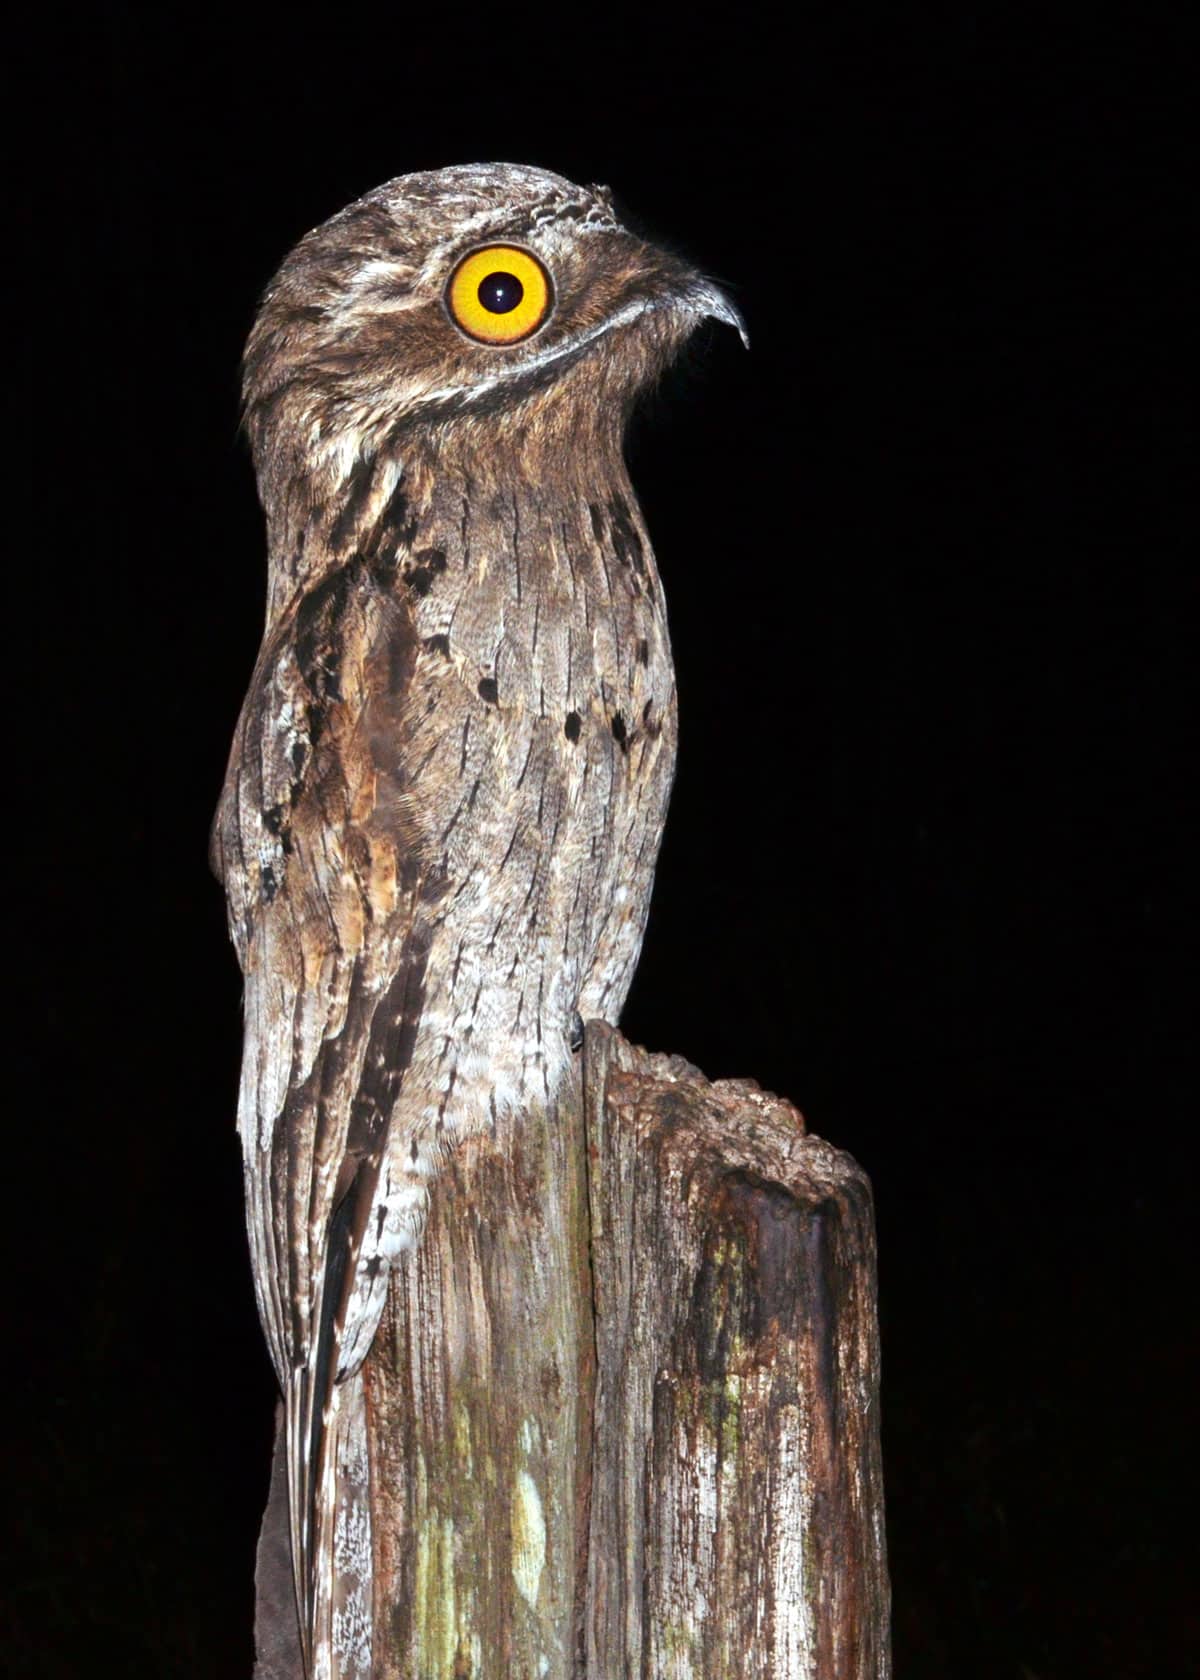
(499, 294)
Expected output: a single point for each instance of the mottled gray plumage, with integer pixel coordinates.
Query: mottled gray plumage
(449, 779)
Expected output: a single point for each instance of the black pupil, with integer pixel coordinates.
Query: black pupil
(500, 292)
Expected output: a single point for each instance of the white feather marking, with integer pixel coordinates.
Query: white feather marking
(546, 357)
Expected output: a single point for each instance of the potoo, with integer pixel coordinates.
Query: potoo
(448, 782)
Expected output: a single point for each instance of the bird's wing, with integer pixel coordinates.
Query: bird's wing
(319, 842)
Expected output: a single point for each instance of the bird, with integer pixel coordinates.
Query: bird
(448, 782)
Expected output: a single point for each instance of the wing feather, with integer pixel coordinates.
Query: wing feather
(334, 978)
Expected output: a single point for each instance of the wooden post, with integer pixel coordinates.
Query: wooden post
(623, 1408)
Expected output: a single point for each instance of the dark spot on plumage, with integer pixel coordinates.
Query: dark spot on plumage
(620, 732)
(298, 754)
(572, 726)
(627, 544)
(643, 652)
(489, 690)
(397, 526)
(439, 645)
(380, 567)
(275, 820)
(427, 564)
(270, 886)
(419, 579)
(576, 1036)
(597, 518)
(646, 710)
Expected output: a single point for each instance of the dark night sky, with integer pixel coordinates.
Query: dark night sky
(925, 555)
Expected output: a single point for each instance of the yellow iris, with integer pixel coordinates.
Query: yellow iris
(499, 294)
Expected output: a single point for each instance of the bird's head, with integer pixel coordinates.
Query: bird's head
(444, 299)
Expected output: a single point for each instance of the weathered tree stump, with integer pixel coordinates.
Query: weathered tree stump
(623, 1407)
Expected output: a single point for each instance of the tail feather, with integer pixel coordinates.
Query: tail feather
(329, 1500)
(301, 1505)
(327, 1472)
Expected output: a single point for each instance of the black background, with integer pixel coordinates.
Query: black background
(926, 863)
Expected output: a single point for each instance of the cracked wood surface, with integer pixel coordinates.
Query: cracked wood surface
(623, 1409)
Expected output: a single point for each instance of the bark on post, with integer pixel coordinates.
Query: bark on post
(623, 1408)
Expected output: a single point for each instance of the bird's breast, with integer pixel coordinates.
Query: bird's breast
(539, 757)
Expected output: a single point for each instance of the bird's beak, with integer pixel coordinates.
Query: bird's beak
(709, 301)
(662, 280)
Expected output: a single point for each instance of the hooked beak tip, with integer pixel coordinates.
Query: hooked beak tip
(710, 300)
